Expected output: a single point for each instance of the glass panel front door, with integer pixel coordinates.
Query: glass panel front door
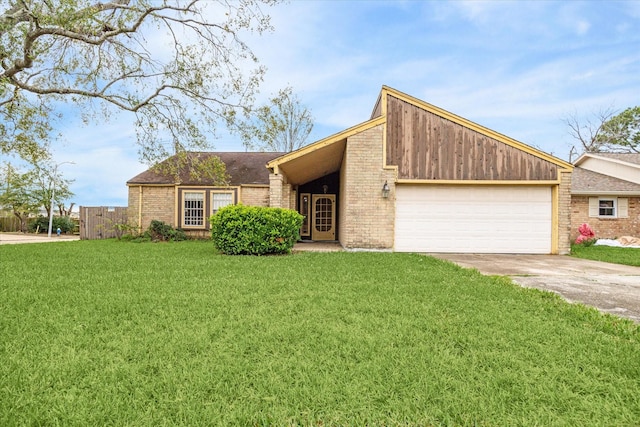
(323, 217)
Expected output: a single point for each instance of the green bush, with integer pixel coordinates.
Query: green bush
(253, 230)
(66, 224)
(161, 231)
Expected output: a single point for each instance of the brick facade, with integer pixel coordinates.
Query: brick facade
(564, 213)
(366, 218)
(254, 196)
(605, 228)
(158, 202)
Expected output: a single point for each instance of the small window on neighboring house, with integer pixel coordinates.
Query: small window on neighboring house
(220, 199)
(607, 207)
(193, 204)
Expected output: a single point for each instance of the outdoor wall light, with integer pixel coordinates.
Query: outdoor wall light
(385, 190)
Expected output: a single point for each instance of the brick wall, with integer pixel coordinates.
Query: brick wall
(281, 195)
(605, 228)
(157, 203)
(366, 218)
(255, 196)
(564, 213)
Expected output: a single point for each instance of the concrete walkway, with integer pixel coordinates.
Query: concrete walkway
(309, 246)
(19, 238)
(611, 288)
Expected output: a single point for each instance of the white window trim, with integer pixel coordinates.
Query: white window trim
(212, 192)
(594, 207)
(204, 207)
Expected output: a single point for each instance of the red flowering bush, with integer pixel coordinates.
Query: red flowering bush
(587, 236)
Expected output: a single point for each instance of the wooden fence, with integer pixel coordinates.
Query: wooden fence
(9, 223)
(100, 222)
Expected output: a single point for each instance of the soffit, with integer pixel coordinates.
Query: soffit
(319, 158)
(316, 164)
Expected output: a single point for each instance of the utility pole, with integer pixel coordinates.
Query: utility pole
(53, 192)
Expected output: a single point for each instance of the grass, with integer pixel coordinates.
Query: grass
(108, 333)
(616, 255)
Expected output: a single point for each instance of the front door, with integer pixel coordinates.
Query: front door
(323, 217)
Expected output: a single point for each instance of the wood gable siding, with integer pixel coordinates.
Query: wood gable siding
(425, 146)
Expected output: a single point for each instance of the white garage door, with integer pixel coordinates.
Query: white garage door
(474, 219)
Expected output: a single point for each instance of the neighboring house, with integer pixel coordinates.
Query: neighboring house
(605, 193)
(413, 178)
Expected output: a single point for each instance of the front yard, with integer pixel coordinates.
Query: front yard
(109, 333)
(616, 255)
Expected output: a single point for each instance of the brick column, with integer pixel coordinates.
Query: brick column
(275, 190)
(564, 213)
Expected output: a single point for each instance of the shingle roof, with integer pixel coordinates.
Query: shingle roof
(242, 167)
(589, 182)
(625, 157)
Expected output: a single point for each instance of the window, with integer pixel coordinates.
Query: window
(220, 199)
(607, 207)
(193, 203)
(304, 211)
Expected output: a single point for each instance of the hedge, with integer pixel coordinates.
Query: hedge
(254, 230)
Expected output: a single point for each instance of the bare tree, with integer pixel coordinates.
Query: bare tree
(282, 125)
(180, 66)
(589, 132)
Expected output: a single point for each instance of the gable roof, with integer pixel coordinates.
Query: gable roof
(325, 156)
(630, 158)
(482, 130)
(586, 182)
(319, 158)
(242, 167)
(606, 173)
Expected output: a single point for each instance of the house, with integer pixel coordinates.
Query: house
(605, 193)
(186, 202)
(412, 178)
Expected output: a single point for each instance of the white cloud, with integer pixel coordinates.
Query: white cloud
(582, 27)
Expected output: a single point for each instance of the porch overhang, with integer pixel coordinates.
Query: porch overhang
(319, 158)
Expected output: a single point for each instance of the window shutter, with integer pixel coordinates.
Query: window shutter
(593, 206)
(623, 208)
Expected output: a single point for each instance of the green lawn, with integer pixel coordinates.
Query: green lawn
(108, 333)
(616, 255)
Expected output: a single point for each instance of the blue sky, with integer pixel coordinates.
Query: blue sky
(518, 68)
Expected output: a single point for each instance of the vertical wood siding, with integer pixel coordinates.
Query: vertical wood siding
(98, 222)
(429, 147)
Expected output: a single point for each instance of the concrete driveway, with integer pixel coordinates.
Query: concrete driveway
(18, 238)
(611, 288)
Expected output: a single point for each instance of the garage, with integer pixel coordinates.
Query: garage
(473, 218)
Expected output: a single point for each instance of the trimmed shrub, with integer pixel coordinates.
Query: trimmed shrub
(161, 231)
(253, 230)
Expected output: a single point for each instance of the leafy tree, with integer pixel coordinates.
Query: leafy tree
(24, 193)
(621, 133)
(17, 194)
(47, 178)
(281, 125)
(179, 66)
